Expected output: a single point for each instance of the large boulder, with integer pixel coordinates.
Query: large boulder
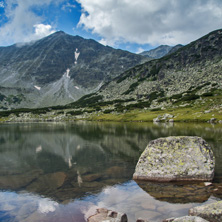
(180, 158)
(210, 212)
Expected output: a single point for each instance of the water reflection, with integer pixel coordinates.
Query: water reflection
(66, 171)
(178, 192)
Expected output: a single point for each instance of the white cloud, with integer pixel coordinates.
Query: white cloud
(23, 23)
(68, 6)
(42, 30)
(139, 50)
(109, 42)
(151, 21)
(2, 5)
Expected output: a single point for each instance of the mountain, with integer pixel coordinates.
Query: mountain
(158, 52)
(183, 78)
(57, 70)
(174, 49)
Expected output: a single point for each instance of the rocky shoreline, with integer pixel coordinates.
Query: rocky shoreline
(53, 116)
(206, 213)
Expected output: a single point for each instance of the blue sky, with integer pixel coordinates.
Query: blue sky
(130, 25)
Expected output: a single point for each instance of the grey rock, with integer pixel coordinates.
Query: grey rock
(213, 120)
(220, 121)
(158, 52)
(103, 214)
(141, 220)
(156, 120)
(211, 212)
(186, 219)
(176, 159)
(167, 115)
(164, 118)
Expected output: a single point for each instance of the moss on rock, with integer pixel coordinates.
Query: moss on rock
(175, 159)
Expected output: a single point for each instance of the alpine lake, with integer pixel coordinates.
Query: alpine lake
(65, 171)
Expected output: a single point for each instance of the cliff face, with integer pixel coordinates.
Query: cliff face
(57, 69)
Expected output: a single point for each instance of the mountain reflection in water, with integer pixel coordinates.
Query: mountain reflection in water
(63, 172)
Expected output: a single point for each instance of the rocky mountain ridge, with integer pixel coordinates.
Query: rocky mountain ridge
(57, 69)
(190, 73)
(158, 52)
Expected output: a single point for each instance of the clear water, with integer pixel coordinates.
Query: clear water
(63, 172)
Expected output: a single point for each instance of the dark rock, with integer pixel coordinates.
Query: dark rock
(210, 212)
(213, 120)
(141, 220)
(51, 181)
(16, 182)
(181, 158)
(91, 177)
(115, 171)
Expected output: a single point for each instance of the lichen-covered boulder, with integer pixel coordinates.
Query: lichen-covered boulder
(176, 159)
(210, 212)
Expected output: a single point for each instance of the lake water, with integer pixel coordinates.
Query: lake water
(63, 172)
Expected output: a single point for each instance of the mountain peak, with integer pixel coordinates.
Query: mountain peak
(158, 52)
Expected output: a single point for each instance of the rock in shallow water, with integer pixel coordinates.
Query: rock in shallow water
(186, 219)
(210, 212)
(177, 192)
(176, 159)
(105, 215)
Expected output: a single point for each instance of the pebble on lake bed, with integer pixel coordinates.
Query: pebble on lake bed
(103, 214)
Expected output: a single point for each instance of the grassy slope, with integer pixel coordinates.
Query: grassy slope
(194, 112)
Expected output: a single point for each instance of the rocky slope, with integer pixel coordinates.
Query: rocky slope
(158, 52)
(188, 75)
(57, 69)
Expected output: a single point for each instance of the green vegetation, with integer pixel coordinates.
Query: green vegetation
(131, 88)
(2, 97)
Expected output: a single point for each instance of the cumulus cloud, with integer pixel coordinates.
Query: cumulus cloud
(24, 24)
(42, 30)
(150, 21)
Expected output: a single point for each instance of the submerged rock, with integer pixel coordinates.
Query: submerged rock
(186, 219)
(103, 214)
(210, 212)
(141, 220)
(176, 159)
(177, 192)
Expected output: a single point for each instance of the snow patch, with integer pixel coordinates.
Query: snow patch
(76, 87)
(76, 53)
(38, 149)
(67, 73)
(37, 87)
